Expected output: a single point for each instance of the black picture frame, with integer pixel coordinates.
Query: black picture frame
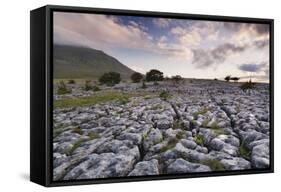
(41, 53)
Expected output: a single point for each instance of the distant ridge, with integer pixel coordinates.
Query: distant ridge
(72, 62)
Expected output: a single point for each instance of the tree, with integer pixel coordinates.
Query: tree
(110, 78)
(235, 79)
(154, 75)
(227, 78)
(176, 79)
(136, 77)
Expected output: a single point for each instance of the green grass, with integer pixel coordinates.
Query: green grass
(214, 125)
(243, 151)
(165, 95)
(215, 165)
(198, 139)
(98, 98)
(178, 124)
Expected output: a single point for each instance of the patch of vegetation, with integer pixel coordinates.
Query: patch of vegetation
(177, 79)
(164, 95)
(178, 124)
(200, 112)
(198, 139)
(243, 151)
(123, 100)
(215, 165)
(110, 78)
(179, 135)
(136, 77)
(70, 150)
(96, 88)
(247, 85)
(214, 125)
(98, 98)
(62, 88)
(71, 81)
(144, 136)
(171, 144)
(77, 130)
(157, 141)
(88, 85)
(93, 135)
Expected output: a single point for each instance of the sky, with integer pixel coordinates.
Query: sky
(190, 48)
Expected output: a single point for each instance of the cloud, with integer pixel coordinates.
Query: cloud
(81, 29)
(260, 44)
(205, 58)
(161, 22)
(253, 67)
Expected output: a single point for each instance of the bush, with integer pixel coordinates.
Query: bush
(110, 78)
(227, 78)
(62, 88)
(247, 85)
(136, 77)
(96, 88)
(164, 95)
(177, 79)
(154, 75)
(71, 81)
(88, 86)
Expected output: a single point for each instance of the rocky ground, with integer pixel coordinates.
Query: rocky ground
(201, 126)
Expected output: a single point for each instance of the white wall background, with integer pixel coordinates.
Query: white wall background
(14, 87)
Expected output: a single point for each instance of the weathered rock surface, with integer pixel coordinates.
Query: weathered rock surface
(197, 129)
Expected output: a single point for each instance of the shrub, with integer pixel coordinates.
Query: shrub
(88, 86)
(110, 78)
(235, 79)
(247, 85)
(96, 88)
(71, 81)
(136, 77)
(154, 75)
(177, 79)
(227, 78)
(62, 88)
(164, 95)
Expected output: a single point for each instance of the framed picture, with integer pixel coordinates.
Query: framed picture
(119, 95)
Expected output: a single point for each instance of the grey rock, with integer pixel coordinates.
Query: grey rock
(145, 168)
(182, 166)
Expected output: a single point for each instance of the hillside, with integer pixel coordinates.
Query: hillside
(81, 62)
